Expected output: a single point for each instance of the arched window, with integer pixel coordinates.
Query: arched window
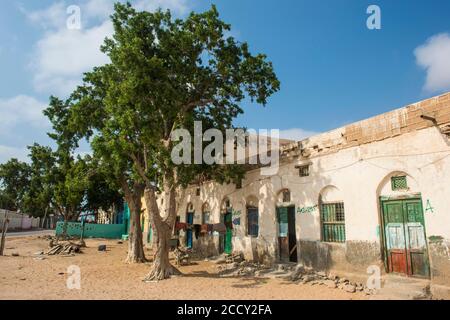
(206, 214)
(332, 215)
(252, 217)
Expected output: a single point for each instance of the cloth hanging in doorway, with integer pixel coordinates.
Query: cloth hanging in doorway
(189, 226)
(220, 227)
(197, 229)
(180, 226)
(229, 225)
(204, 229)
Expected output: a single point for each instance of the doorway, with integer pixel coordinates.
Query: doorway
(287, 237)
(225, 245)
(404, 237)
(189, 221)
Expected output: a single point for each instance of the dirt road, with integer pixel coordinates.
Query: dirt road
(104, 275)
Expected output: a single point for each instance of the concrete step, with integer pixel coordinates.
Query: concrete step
(403, 288)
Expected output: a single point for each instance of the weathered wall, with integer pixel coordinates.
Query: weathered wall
(352, 164)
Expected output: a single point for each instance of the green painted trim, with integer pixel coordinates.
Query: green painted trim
(75, 229)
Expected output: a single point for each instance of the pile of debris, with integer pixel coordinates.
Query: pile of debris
(57, 247)
(306, 275)
(236, 266)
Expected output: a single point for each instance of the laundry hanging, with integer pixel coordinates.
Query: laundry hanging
(180, 226)
(220, 227)
(204, 229)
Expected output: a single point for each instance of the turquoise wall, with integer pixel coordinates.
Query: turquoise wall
(107, 231)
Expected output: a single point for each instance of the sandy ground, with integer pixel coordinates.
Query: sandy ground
(104, 275)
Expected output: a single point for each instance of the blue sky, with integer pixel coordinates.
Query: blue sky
(333, 69)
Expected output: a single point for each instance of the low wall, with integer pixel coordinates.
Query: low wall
(18, 221)
(107, 231)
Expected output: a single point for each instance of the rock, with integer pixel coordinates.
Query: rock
(15, 254)
(220, 260)
(349, 288)
(321, 274)
(281, 267)
(308, 278)
(39, 258)
(300, 268)
(332, 276)
(39, 253)
(367, 291)
(102, 247)
(343, 280)
(309, 270)
(119, 242)
(330, 284)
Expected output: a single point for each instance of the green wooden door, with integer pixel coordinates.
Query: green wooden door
(229, 233)
(405, 240)
(283, 230)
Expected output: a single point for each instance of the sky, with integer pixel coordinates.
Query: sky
(333, 69)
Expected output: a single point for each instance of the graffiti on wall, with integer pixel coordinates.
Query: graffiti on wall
(429, 208)
(236, 214)
(310, 209)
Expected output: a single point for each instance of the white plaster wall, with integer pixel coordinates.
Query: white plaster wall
(358, 173)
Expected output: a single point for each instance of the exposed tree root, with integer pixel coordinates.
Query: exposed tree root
(159, 273)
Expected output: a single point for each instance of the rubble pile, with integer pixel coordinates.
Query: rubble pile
(58, 247)
(63, 249)
(236, 266)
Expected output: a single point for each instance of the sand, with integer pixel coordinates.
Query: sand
(105, 275)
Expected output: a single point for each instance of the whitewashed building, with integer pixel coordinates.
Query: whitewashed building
(375, 192)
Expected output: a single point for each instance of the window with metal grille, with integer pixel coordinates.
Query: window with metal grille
(333, 222)
(286, 196)
(252, 221)
(303, 171)
(399, 183)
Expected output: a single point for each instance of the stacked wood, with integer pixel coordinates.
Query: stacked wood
(63, 249)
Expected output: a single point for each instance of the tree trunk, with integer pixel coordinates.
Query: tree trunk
(45, 216)
(135, 244)
(3, 237)
(162, 268)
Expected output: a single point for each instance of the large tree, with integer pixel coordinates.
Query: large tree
(14, 184)
(165, 74)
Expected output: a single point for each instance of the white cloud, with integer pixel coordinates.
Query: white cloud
(51, 17)
(434, 57)
(21, 110)
(6, 153)
(296, 134)
(61, 56)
